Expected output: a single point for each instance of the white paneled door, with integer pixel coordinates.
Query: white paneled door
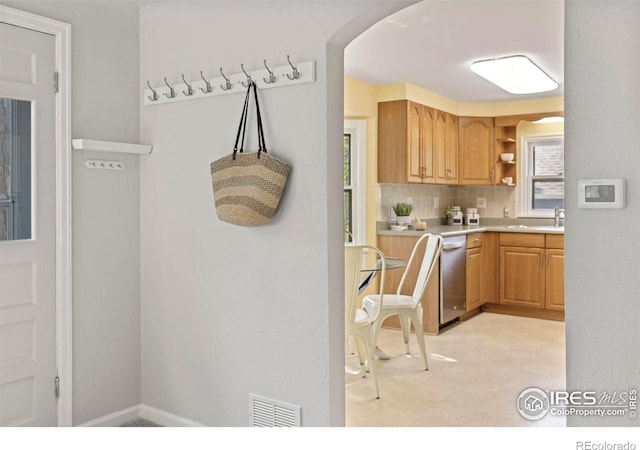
(27, 228)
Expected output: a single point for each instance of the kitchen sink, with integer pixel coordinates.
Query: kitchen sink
(547, 228)
(536, 228)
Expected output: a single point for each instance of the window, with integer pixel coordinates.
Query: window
(542, 186)
(15, 169)
(354, 148)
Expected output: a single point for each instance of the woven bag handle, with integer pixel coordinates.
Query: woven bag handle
(262, 146)
(243, 125)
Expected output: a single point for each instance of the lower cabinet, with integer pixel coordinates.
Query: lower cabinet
(554, 273)
(475, 271)
(532, 270)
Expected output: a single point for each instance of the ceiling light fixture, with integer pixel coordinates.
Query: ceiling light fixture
(550, 119)
(515, 74)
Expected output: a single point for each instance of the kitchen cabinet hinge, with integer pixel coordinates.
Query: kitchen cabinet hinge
(56, 82)
(57, 386)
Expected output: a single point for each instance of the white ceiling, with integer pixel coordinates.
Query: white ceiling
(432, 44)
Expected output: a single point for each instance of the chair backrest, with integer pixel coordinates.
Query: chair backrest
(433, 248)
(353, 275)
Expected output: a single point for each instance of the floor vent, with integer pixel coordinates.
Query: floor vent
(265, 412)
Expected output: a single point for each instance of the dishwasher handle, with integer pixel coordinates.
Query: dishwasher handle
(448, 246)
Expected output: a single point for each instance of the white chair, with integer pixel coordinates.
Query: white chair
(358, 323)
(408, 307)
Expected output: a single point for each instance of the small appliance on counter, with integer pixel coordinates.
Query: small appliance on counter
(457, 215)
(472, 217)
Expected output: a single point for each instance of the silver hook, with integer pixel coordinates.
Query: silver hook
(209, 88)
(189, 91)
(227, 84)
(172, 93)
(272, 77)
(295, 75)
(249, 80)
(155, 93)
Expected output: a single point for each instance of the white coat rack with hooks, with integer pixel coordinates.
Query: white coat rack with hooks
(265, 78)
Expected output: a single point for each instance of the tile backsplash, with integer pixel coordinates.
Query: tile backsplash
(422, 196)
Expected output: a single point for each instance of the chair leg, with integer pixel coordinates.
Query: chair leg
(362, 355)
(417, 324)
(369, 346)
(405, 325)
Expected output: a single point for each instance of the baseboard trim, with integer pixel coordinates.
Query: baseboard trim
(141, 411)
(166, 419)
(115, 419)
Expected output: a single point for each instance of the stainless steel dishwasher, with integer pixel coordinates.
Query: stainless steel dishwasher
(453, 278)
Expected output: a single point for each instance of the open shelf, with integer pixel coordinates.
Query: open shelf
(108, 146)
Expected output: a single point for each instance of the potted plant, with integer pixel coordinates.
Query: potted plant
(403, 213)
(448, 212)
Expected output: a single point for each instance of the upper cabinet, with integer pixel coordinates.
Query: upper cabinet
(420, 144)
(476, 151)
(405, 142)
(446, 148)
(408, 137)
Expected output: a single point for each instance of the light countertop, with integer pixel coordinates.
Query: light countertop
(455, 230)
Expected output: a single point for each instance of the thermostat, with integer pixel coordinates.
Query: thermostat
(601, 193)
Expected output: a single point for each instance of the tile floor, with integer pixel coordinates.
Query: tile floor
(477, 369)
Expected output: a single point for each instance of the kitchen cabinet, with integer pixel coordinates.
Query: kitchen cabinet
(405, 142)
(446, 148)
(491, 267)
(475, 271)
(506, 143)
(532, 270)
(554, 272)
(476, 151)
(401, 247)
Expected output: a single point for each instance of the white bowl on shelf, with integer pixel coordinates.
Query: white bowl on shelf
(506, 157)
(398, 227)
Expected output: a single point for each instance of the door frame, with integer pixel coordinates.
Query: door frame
(62, 34)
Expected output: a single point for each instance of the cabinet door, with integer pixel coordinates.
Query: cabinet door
(427, 144)
(474, 278)
(446, 148)
(477, 163)
(451, 148)
(554, 295)
(491, 269)
(415, 118)
(522, 276)
(440, 148)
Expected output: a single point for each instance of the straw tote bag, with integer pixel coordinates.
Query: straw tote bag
(247, 186)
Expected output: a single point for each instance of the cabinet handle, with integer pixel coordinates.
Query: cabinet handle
(542, 260)
(493, 175)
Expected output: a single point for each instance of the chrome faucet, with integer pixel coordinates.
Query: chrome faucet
(557, 215)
